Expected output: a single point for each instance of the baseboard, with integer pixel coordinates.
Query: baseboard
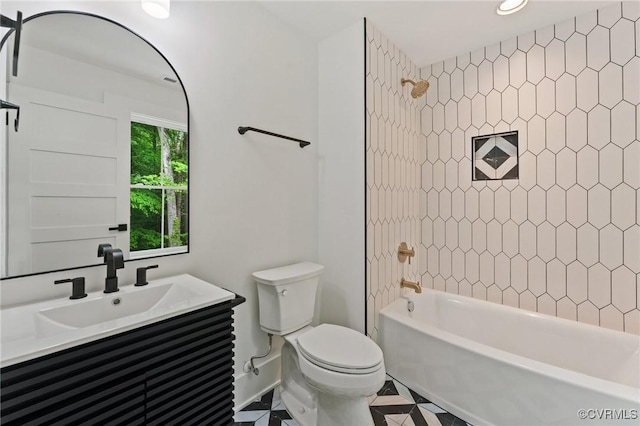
(248, 386)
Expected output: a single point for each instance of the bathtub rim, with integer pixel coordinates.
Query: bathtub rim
(628, 393)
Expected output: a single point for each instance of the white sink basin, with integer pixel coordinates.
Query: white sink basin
(85, 313)
(36, 329)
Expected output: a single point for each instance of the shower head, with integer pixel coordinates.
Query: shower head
(419, 88)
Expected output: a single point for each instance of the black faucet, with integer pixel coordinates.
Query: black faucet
(114, 260)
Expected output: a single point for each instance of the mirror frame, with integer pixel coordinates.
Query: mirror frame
(184, 91)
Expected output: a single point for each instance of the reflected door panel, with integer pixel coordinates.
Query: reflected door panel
(67, 168)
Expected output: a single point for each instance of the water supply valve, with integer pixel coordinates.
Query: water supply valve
(405, 252)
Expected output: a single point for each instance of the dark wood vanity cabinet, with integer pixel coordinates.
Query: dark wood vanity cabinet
(178, 371)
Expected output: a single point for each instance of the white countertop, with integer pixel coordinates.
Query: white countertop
(27, 333)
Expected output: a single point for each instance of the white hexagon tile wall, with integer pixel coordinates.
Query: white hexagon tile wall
(393, 172)
(564, 238)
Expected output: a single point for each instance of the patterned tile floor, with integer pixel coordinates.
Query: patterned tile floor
(393, 405)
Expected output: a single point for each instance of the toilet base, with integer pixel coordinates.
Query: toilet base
(331, 411)
(299, 398)
(301, 413)
(341, 411)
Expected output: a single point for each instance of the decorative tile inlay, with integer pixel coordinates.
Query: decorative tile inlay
(393, 405)
(495, 156)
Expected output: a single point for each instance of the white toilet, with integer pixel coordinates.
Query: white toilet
(328, 371)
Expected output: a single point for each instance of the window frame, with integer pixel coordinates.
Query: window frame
(174, 125)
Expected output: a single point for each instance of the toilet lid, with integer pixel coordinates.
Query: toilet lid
(340, 349)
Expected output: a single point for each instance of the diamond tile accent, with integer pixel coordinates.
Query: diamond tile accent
(495, 156)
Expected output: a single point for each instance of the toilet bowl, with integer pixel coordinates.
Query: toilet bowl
(328, 384)
(328, 371)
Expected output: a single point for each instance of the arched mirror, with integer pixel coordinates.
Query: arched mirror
(101, 153)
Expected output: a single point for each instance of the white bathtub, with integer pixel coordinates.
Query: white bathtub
(493, 364)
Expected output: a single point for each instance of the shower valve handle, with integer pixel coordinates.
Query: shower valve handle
(405, 252)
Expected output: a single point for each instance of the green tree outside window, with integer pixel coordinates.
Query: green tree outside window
(159, 180)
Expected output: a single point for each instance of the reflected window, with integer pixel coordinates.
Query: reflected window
(159, 181)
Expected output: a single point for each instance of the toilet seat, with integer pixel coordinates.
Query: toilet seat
(340, 349)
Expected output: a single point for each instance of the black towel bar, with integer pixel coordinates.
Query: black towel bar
(243, 130)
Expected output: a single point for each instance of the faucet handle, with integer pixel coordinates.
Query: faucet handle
(77, 289)
(103, 249)
(404, 252)
(141, 275)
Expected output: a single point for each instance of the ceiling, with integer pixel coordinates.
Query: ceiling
(429, 31)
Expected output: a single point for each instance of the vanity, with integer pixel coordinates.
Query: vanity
(154, 355)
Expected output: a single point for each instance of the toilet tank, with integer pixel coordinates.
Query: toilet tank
(287, 296)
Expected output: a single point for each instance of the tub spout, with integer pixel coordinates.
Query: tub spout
(415, 286)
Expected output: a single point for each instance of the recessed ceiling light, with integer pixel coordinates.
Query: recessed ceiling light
(157, 8)
(508, 7)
